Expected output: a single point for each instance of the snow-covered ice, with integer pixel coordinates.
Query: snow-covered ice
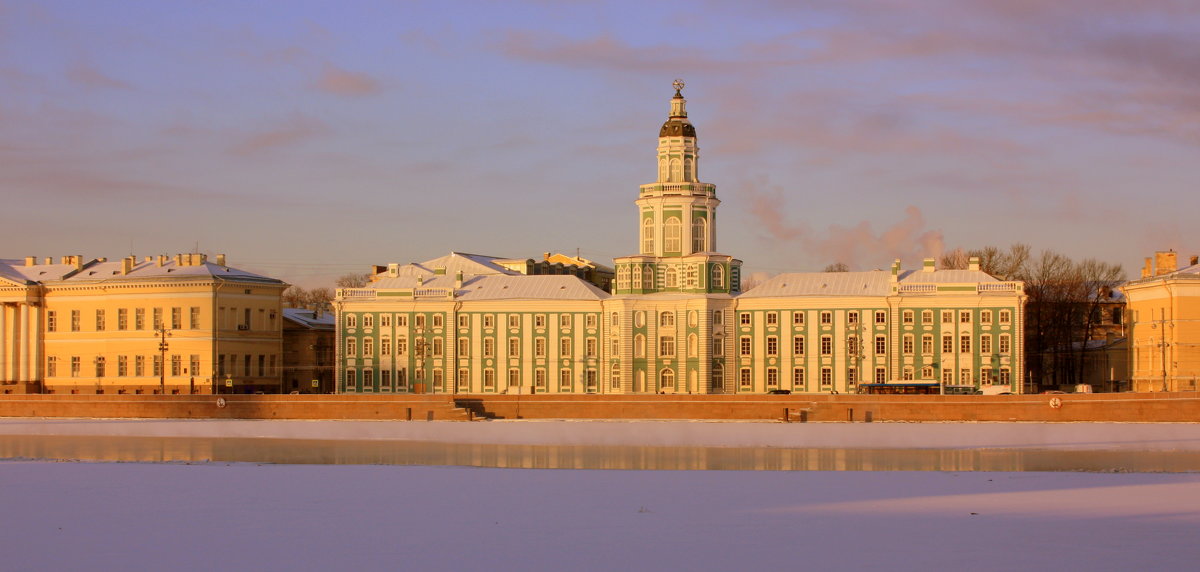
(210, 516)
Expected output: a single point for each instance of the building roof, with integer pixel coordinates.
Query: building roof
(521, 287)
(868, 283)
(103, 270)
(450, 265)
(308, 319)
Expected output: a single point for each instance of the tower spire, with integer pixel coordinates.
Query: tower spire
(678, 103)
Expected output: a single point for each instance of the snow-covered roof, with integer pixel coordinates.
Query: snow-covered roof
(307, 318)
(522, 287)
(451, 264)
(945, 277)
(17, 271)
(870, 283)
(112, 270)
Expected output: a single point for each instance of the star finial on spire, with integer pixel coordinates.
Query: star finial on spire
(678, 85)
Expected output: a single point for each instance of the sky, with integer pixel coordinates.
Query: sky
(311, 139)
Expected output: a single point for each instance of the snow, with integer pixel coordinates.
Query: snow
(209, 516)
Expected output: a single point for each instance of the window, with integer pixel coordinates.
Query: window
(881, 375)
(985, 317)
(985, 376)
(539, 379)
(667, 379)
(139, 365)
(718, 377)
(590, 380)
(880, 345)
(464, 347)
(614, 320)
(385, 346)
(401, 379)
(772, 318)
(851, 377)
(964, 377)
(964, 344)
(880, 317)
(851, 317)
(907, 374)
(718, 276)
(385, 320)
(826, 345)
(964, 316)
(514, 377)
(514, 347)
(489, 347)
(947, 376)
(74, 366)
(401, 322)
(927, 372)
(351, 347)
(176, 365)
(693, 319)
(51, 321)
(615, 380)
(1005, 376)
(589, 321)
(718, 347)
(826, 378)
(947, 317)
(489, 379)
(401, 346)
(672, 277)
(100, 366)
(772, 378)
(1005, 343)
(464, 379)
(648, 235)
(772, 345)
(797, 318)
(564, 380)
(99, 320)
(798, 379)
(671, 235)
(744, 346)
(539, 321)
(744, 378)
(909, 317)
(693, 345)
(489, 321)
(176, 318)
(947, 343)
(463, 321)
(927, 317)
(718, 317)
(639, 346)
(419, 321)
(744, 318)
(909, 342)
(852, 345)
(122, 319)
(985, 344)
(157, 366)
(564, 347)
(666, 319)
(51, 366)
(194, 364)
(927, 344)
(1116, 316)
(616, 347)
(350, 381)
(798, 345)
(351, 321)
(589, 347)
(539, 347)
(437, 347)
(826, 318)
(385, 375)
(514, 321)
(438, 379)
(437, 320)
(74, 320)
(1005, 316)
(139, 318)
(699, 235)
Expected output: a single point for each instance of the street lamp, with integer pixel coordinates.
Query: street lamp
(163, 332)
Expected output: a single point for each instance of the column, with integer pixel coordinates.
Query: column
(23, 351)
(34, 333)
(4, 352)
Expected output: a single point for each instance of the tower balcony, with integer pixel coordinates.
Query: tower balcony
(679, 189)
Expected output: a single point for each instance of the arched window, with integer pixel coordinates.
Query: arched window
(718, 378)
(668, 379)
(623, 278)
(692, 345)
(648, 278)
(671, 235)
(672, 277)
(699, 235)
(648, 235)
(676, 171)
(718, 276)
(639, 346)
(666, 319)
(664, 168)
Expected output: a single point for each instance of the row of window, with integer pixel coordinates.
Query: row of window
(629, 277)
(136, 367)
(384, 380)
(435, 347)
(673, 235)
(987, 376)
(880, 316)
(159, 319)
(1004, 345)
(464, 321)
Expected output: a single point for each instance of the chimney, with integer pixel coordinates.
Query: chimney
(220, 260)
(895, 270)
(162, 260)
(545, 256)
(1164, 262)
(458, 280)
(1194, 260)
(973, 264)
(127, 265)
(930, 265)
(1148, 269)
(48, 260)
(420, 280)
(30, 261)
(393, 269)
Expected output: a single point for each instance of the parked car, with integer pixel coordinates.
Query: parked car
(780, 392)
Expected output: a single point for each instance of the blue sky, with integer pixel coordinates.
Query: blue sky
(310, 139)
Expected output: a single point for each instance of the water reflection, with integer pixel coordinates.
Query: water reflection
(306, 451)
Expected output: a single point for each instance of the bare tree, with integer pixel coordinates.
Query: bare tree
(1004, 265)
(298, 297)
(837, 267)
(353, 280)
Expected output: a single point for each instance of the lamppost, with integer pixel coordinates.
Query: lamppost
(163, 332)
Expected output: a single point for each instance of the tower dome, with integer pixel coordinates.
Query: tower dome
(677, 125)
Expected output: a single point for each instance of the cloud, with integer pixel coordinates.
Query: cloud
(292, 131)
(859, 246)
(88, 76)
(607, 53)
(336, 81)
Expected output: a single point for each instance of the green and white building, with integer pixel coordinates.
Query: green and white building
(676, 320)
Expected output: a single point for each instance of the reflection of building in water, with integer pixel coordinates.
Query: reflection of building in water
(676, 319)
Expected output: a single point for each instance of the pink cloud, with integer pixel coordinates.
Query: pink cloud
(859, 246)
(337, 81)
(292, 131)
(87, 75)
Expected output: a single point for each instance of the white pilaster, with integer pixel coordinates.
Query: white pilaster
(22, 330)
(4, 351)
(35, 340)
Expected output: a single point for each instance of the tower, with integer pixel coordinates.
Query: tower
(677, 230)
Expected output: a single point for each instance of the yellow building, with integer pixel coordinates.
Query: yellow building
(1164, 325)
(177, 324)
